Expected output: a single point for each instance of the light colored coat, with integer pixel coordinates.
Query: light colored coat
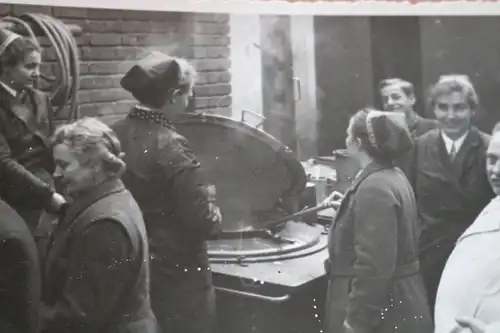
(470, 284)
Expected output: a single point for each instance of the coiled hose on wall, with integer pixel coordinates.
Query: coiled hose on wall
(67, 80)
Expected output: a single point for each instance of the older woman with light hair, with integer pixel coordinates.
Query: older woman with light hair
(448, 174)
(97, 271)
(165, 177)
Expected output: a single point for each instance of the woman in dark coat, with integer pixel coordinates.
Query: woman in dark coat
(20, 279)
(26, 162)
(164, 176)
(375, 284)
(97, 271)
(448, 174)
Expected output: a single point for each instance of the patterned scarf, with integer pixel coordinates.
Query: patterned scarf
(140, 112)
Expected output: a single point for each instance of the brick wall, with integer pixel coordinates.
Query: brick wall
(113, 39)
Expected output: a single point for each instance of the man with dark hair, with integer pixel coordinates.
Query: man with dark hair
(399, 96)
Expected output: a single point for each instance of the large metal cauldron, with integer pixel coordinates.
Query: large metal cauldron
(268, 278)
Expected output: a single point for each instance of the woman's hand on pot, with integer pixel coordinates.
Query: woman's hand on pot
(215, 212)
(56, 203)
(333, 200)
(58, 200)
(348, 328)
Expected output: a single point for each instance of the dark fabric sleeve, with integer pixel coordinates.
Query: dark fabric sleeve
(20, 283)
(102, 263)
(375, 244)
(190, 195)
(411, 171)
(18, 183)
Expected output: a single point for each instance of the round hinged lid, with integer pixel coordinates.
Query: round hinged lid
(251, 170)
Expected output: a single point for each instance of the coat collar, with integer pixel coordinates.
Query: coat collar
(362, 175)
(487, 221)
(365, 172)
(473, 140)
(30, 107)
(79, 204)
(67, 221)
(413, 121)
(462, 160)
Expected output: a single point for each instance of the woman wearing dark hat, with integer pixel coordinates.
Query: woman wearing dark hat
(26, 162)
(164, 177)
(375, 284)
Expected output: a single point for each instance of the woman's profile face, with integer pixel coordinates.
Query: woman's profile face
(70, 173)
(351, 142)
(25, 72)
(179, 103)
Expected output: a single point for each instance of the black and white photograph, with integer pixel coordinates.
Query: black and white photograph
(230, 172)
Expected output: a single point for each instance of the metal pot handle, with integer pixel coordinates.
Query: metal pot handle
(243, 112)
(280, 299)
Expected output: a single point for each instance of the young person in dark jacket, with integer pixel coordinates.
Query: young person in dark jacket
(399, 96)
(164, 176)
(448, 174)
(26, 163)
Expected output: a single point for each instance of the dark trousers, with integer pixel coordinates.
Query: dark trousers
(183, 302)
(432, 262)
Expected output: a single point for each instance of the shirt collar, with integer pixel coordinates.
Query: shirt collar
(9, 89)
(449, 142)
(412, 119)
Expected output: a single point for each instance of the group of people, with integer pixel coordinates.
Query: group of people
(412, 247)
(106, 226)
(103, 229)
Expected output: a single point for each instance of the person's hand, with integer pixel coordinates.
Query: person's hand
(46, 314)
(216, 216)
(57, 201)
(474, 325)
(348, 328)
(333, 200)
(215, 213)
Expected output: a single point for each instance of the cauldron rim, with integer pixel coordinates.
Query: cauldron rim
(284, 156)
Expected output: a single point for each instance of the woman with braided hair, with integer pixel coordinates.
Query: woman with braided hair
(375, 284)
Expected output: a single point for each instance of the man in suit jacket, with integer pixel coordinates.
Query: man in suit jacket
(448, 175)
(20, 281)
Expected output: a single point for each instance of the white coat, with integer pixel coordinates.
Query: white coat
(470, 283)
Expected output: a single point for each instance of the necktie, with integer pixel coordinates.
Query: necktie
(453, 151)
